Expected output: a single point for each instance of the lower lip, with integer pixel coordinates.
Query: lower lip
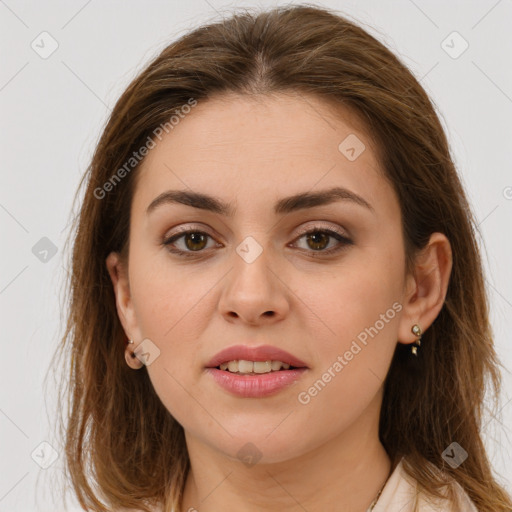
(255, 386)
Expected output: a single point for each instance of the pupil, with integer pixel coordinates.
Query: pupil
(313, 237)
(196, 238)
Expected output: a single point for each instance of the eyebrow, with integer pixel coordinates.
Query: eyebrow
(283, 206)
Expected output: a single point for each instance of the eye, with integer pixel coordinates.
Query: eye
(194, 241)
(317, 238)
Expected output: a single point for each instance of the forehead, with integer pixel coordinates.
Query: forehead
(256, 147)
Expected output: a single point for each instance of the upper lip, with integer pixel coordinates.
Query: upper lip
(248, 353)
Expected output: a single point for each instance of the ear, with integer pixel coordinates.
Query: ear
(118, 272)
(426, 288)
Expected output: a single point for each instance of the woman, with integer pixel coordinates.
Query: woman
(277, 296)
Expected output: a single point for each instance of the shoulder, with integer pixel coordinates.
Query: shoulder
(401, 493)
(458, 501)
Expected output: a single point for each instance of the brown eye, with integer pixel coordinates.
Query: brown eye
(193, 241)
(318, 240)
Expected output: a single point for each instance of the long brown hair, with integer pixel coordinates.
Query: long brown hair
(122, 446)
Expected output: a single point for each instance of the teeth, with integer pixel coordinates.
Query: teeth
(261, 366)
(243, 366)
(276, 365)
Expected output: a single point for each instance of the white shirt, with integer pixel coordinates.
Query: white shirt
(400, 493)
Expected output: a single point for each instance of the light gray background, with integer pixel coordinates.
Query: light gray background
(52, 112)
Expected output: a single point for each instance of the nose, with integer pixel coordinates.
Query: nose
(254, 293)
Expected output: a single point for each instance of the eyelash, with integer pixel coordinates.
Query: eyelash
(344, 242)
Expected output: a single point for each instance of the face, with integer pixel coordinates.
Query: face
(331, 298)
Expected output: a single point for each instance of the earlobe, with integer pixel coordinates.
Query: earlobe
(426, 288)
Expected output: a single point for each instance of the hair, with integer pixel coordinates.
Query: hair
(122, 445)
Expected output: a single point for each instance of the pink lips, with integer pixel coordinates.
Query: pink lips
(259, 385)
(255, 386)
(261, 353)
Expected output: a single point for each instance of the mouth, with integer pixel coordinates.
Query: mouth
(245, 378)
(255, 360)
(245, 367)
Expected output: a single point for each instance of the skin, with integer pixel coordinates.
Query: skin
(252, 151)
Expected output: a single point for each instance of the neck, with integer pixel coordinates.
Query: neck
(348, 470)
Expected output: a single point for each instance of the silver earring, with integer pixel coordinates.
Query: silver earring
(416, 330)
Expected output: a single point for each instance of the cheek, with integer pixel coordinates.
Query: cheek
(355, 300)
(167, 296)
(354, 356)
(170, 311)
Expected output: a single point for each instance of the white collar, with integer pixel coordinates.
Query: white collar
(400, 494)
